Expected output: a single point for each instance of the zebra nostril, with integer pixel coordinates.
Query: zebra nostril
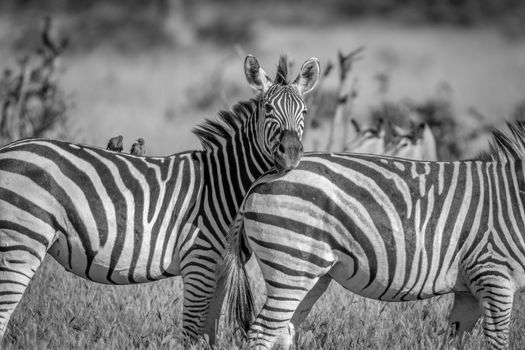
(281, 148)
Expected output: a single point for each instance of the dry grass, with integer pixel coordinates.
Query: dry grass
(369, 324)
(62, 311)
(343, 320)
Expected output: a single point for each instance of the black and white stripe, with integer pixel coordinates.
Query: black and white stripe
(120, 219)
(389, 229)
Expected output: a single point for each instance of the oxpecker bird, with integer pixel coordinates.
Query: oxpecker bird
(138, 148)
(115, 144)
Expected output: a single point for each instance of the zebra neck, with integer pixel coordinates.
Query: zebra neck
(230, 169)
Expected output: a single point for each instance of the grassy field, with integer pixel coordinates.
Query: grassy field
(161, 94)
(62, 311)
(342, 320)
(367, 324)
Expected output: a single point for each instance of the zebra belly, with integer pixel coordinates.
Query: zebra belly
(377, 282)
(71, 254)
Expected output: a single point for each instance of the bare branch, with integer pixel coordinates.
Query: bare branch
(31, 102)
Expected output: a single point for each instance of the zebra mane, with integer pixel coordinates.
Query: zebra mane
(225, 125)
(507, 146)
(282, 71)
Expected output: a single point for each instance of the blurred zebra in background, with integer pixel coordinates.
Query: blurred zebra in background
(388, 139)
(392, 129)
(388, 229)
(119, 219)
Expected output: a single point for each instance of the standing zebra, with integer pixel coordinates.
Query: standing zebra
(389, 229)
(120, 219)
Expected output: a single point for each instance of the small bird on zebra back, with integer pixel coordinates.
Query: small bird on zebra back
(115, 144)
(138, 148)
(119, 219)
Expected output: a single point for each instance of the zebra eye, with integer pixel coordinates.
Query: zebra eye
(268, 108)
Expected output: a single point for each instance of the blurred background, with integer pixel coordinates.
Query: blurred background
(155, 69)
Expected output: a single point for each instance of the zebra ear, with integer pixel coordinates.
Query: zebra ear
(308, 76)
(255, 75)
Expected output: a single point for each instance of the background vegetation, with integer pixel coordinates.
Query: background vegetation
(155, 69)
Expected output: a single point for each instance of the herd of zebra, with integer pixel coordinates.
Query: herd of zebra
(384, 227)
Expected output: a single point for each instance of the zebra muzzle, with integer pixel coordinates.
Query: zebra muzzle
(289, 152)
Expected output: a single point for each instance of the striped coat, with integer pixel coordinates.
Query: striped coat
(121, 219)
(389, 229)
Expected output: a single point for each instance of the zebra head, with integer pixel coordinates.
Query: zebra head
(416, 143)
(281, 109)
(384, 138)
(370, 137)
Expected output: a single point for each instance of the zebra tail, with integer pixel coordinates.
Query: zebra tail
(239, 297)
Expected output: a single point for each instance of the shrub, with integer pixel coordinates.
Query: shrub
(31, 99)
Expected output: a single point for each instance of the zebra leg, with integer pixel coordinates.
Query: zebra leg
(311, 298)
(214, 311)
(465, 313)
(18, 264)
(274, 319)
(496, 296)
(286, 340)
(195, 305)
(198, 275)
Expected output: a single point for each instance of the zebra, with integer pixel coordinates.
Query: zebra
(385, 228)
(385, 138)
(119, 219)
(418, 143)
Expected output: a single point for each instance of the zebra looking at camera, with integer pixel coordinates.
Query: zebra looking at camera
(389, 229)
(120, 219)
